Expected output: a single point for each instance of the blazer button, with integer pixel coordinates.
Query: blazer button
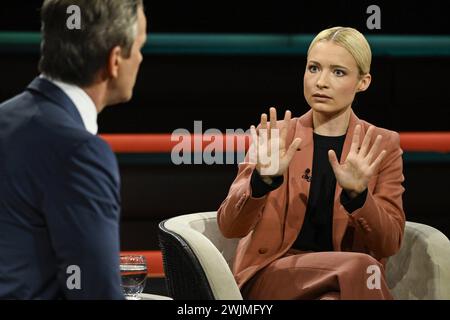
(262, 250)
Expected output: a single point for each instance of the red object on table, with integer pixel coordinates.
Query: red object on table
(154, 262)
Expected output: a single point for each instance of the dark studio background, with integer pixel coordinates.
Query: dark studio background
(231, 90)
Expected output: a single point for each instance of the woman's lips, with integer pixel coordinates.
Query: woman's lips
(321, 97)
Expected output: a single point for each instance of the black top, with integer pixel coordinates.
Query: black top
(316, 232)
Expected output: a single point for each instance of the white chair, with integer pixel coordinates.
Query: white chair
(197, 261)
(421, 269)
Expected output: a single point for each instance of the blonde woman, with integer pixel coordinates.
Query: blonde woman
(321, 223)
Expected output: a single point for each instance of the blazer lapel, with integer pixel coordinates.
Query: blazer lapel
(298, 184)
(340, 217)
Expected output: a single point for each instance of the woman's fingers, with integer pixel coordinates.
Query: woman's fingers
(262, 131)
(273, 118)
(286, 125)
(374, 149)
(366, 142)
(254, 135)
(292, 149)
(333, 161)
(263, 122)
(273, 121)
(374, 166)
(253, 152)
(355, 140)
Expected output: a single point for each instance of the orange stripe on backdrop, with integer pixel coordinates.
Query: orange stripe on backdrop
(425, 141)
(164, 143)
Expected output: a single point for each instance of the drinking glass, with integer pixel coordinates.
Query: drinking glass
(133, 270)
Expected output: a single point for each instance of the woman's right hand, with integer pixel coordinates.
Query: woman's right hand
(268, 148)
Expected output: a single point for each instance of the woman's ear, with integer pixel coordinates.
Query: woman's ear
(114, 61)
(364, 82)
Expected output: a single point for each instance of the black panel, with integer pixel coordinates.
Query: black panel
(397, 17)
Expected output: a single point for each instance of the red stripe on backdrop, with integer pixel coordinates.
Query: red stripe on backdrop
(165, 142)
(425, 141)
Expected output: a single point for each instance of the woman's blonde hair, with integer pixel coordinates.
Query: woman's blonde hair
(350, 39)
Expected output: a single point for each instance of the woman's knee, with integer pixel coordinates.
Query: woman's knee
(364, 261)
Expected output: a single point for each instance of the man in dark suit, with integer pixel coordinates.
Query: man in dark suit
(59, 182)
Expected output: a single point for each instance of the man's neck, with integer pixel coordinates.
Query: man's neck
(97, 93)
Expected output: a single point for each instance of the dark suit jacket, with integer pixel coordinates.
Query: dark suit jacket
(59, 201)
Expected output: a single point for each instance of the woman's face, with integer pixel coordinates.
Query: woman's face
(331, 78)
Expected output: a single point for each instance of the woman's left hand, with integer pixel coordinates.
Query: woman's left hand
(354, 174)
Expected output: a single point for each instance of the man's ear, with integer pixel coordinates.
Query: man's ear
(364, 82)
(114, 61)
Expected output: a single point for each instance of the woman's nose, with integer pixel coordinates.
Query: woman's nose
(321, 81)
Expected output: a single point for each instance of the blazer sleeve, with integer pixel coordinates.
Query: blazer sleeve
(240, 211)
(82, 212)
(382, 211)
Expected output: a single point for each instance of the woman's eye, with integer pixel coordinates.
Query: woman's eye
(339, 73)
(313, 69)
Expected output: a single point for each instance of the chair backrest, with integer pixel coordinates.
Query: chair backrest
(197, 258)
(421, 268)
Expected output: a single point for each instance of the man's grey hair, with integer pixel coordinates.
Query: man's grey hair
(76, 55)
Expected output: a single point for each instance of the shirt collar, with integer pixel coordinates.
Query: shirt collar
(82, 102)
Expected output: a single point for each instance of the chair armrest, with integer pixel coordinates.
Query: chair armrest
(216, 268)
(421, 269)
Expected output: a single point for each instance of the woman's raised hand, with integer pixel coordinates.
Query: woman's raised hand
(361, 163)
(268, 149)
